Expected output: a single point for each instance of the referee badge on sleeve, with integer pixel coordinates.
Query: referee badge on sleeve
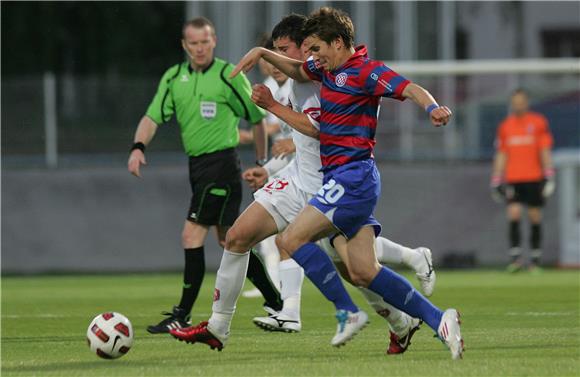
(208, 109)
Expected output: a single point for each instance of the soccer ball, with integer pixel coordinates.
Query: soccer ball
(110, 335)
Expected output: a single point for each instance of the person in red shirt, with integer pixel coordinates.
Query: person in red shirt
(523, 174)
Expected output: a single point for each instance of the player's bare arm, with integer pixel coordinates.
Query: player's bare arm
(439, 114)
(291, 67)
(260, 140)
(548, 169)
(247, 136)
(496, 181)
(262, 97)
(498, 164)
(144, 134)
(283, 147)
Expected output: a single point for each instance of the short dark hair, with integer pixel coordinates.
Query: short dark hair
(198, 23)
(329, 24)
(520, 91)
(269, 44)
(291, 26)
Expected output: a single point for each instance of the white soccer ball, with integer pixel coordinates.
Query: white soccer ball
(110, 335)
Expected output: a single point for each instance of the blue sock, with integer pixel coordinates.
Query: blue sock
(397, 291)
(320, 270)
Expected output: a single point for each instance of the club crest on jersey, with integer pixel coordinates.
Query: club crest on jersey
(340, 79)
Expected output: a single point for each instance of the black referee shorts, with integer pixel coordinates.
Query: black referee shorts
(216, 187)
(529, 193)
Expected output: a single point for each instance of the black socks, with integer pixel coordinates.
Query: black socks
(192, 277)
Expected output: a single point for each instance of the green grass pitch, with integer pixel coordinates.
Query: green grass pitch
(513, 325)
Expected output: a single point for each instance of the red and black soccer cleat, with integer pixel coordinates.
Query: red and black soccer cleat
(197, 334)
(399, 345)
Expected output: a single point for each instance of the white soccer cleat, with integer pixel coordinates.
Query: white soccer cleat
(426, 273)
(278, 323)
(349, 324)
(449, 332)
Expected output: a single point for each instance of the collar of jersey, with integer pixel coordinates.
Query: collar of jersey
(359, 52)
(203, 70)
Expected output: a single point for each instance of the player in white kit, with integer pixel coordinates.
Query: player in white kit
(286, 195)
(283, 150)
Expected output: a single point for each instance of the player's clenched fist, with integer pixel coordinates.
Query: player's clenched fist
(262, 96)
(256, 177)
(440, 116)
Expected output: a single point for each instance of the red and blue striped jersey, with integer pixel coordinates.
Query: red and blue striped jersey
(350, 99)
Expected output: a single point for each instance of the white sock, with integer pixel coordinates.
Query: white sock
(291, 278)
(397, 320)
(229, 283)
(393, 253)
(271, 258)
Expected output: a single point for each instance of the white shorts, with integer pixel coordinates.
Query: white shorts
(283, 200)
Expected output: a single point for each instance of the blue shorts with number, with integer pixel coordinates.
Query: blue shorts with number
(349, 195)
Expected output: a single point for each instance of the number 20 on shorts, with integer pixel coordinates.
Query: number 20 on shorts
(331, 192)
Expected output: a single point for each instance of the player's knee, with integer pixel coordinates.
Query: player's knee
(286, 244)
(535, 215)
(514, 212)
(361, 277)
(237, 240)
(283, 254)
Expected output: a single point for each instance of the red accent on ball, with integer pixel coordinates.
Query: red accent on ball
(103, 354)
(122, 328)
(99, 333)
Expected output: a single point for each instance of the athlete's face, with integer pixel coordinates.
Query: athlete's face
(287, 47)
(326, 54)
(199, 44)
(276, 74)
(305, 48)
(519, 103)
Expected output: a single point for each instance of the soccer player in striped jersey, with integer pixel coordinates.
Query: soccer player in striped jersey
(306, 99)
(352, 87)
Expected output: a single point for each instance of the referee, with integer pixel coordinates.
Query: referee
(208, 106)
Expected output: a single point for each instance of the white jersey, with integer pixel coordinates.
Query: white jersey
(290, 188)
(305, 98)
(282, 95)
(273, 86)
